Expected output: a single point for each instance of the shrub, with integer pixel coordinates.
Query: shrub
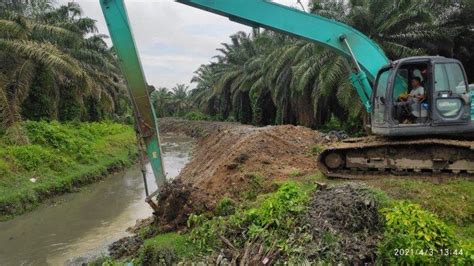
(415, 236)
(225, 207)
(274, 219)
(16, 135)
(197, 116)
(255, 185)
(316, 150)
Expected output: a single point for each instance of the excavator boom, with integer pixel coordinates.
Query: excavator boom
(145, 118)
(341, 38)
(291, 21)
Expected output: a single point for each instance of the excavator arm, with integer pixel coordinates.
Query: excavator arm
(366, 55)
(291, 21)
(145, 118)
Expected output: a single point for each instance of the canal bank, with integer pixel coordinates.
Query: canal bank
(77, 227)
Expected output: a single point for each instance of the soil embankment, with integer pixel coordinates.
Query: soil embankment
(230, 158)
(253, 195)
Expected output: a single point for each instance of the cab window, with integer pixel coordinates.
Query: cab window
(450, 77)
(380, 94)
(382, 83)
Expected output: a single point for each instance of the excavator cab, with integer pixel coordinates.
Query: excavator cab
(422, 96)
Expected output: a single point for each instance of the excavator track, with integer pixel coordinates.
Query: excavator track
(364, 158)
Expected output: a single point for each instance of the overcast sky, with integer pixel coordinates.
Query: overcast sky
(173, 39)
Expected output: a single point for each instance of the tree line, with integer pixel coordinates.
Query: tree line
(269, 78)
(55, 66)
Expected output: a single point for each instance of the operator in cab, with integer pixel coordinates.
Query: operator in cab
(417, 91)
(410, 103)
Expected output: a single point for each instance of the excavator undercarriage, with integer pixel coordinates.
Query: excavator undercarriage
(363, 158)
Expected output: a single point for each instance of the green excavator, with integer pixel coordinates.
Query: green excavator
(413, 134)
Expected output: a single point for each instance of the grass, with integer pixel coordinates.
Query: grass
(56, 158)
(451, 200)
(176, 243)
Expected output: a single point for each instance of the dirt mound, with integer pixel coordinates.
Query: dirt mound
(345, 225)
(233, 160)
(230, 153)
(228, 161)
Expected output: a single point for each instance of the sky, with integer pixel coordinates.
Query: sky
(173, 39)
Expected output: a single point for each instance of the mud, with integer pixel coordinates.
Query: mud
(125, 247)
(176, 202)
(345, 225)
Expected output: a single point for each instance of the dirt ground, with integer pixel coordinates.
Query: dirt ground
(228, 157)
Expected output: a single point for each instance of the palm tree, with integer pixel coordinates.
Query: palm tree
(161, 99)
(460, 20)
(180, 99)
(50, 42)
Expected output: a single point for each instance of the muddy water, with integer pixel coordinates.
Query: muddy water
(74, 228)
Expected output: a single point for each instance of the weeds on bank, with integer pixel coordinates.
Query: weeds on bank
(316, 150)
(415, 236)
(255, 186)
(52, 158)
(271, 221)
(165, 249)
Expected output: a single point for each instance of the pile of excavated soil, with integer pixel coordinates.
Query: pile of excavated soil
(229, 155)
(230, 159)
(345, 224)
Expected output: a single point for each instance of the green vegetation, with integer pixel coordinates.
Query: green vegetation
(316, 150)
(165, 249)
(55, 158)
(274, 223)
(55, 66)
(451, 200)
(174, 102)
(415, 236)
(225, 207)
(272, 218)
(255, 186)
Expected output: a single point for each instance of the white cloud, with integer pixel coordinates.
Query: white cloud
(173, 39)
